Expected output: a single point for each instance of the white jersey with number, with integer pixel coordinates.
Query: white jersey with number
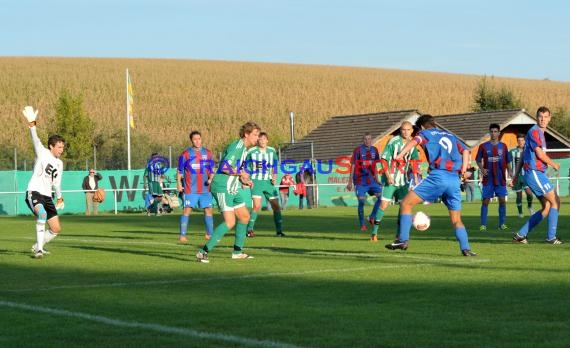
(47, 169)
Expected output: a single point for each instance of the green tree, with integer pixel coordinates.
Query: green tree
(72, 123)
(488, 98)
(561, 120)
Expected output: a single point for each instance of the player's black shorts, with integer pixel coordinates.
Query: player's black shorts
(33, 198)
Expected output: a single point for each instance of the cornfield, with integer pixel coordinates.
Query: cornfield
(173, 97)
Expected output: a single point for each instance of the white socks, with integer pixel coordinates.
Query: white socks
(40, 232)
(49, 235)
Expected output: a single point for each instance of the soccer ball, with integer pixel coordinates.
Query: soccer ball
(421, 221)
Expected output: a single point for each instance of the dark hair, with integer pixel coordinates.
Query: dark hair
(193, 133)
(494, 126)
(154, 154)
(54, 139)
(263, 134)
(542, 110)
(427, 121)
(247, 128)
(521, 135)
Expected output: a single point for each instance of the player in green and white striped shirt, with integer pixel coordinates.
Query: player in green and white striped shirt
(395, 177)
(516, 155)
(262, 162)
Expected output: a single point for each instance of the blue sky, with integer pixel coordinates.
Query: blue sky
(525, 39)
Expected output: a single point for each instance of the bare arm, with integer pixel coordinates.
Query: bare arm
(466, 156)
(517, 170)
(38, 147)
(482, 168)
(510, 170)
(179, 182)
(541, 155)
(350, 176)
(409, 146)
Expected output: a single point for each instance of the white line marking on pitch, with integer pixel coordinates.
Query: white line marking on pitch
(147, 326)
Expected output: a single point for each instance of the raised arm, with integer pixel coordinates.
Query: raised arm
(38, 147)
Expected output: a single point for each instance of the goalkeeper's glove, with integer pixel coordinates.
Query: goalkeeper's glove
(59, 204)
(30, 114)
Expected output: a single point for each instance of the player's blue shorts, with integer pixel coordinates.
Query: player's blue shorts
(490, 191)
(538, 182)
(441, 183)
(373, 189)
(198, 200)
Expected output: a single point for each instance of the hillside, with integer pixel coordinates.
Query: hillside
(173, 97)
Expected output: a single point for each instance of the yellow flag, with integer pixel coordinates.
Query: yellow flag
(130, 106)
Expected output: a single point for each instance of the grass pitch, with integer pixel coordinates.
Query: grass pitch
(125, 281)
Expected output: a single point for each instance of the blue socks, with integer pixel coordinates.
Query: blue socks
(209, 222)
(404, 228)
(375, 207)
(534, 220)
(552, 223)
(502, 214)
(484, 213)
(461, 235)
(361, 211)
(184, 224)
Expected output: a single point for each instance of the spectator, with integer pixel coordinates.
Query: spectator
(469, 184)
(284, 188)
(90, 184)
(310, 187)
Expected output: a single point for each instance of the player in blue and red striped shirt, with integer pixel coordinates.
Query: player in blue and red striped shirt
(493, 159)
(195, 172)
(447, 157)
(535, 162)
(363, 176)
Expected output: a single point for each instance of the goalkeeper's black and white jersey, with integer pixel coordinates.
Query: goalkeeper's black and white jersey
(47, 169)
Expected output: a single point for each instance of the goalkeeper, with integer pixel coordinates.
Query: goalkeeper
(47, 173)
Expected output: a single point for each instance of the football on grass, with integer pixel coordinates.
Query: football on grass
(421, 221)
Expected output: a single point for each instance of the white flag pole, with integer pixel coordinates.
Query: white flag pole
(128, 126)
